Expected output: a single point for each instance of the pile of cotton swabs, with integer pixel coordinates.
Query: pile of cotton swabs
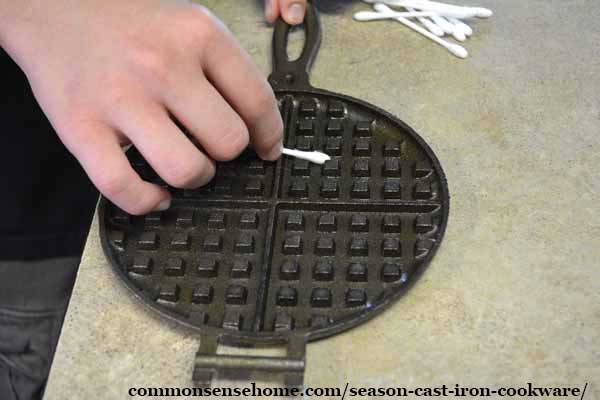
(436, 19)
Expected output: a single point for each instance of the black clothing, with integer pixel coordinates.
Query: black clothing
(46, 206)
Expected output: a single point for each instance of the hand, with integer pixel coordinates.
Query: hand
(112, 72)
(292, 11)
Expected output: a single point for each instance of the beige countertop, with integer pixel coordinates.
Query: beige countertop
(513, 295)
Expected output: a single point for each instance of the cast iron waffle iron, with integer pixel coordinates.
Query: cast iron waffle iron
(288, 251)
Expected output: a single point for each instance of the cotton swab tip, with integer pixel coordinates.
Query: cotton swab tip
(457, 50)
(459, 34)
(318, 158)
(380, 7)
(313, 156)
(362, 16)
(466, 29)
(483, 12)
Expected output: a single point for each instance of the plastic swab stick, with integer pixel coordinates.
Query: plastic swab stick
(313, 156)
(373, 16)
(455, 49)
(430, 26)
(461, 25)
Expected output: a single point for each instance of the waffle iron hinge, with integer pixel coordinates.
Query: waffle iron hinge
(208, 364)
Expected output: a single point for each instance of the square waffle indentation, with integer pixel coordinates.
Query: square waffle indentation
(363, 129)
(208, 268)
(304, 143)
(293, 245)
(169, 293)
(241, 269)
(118, 239)
(213, 243)
(254, 188)
(332, 168)
(236, 294)
(180, 241)
(361, 148)
(202, 294)
(323, 271)
(306, 127)
(174, 266)
(333, 146)
(392, 148)
(283, 322)
(391, 167)
(301, 168)
(142, 265)
(287, 297)
(148, 241)
(244, 244)
(336, 109)
(294, 222)
(330, 189)
(308, 108)
(335, 127)
(256, 167)
(325, 246)
(361, 167)
(289, 271)
(249, 220)
(216, 220)
(327, 223)
(360, 190)
(185, 218)
(299, 188)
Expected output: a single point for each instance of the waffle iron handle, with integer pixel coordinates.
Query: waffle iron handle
(294, 74)
(208, 364)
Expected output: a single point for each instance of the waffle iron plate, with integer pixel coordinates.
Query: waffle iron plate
(288, 251)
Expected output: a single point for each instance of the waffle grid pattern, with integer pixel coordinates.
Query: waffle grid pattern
(273, 247)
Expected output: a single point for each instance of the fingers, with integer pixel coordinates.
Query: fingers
(292, 11)
(108, 168)
(230, 70)
(271, 10)
(211, 120)
(163, 145)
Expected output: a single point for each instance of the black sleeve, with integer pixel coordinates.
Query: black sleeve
(46, 201)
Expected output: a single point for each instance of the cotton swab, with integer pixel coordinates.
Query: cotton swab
(455, 49)
(440, 8)
(440, 21)
(439, 26)
(373, 16)
(426, 22)
(448, 27)
(461, 25)
(313, 156)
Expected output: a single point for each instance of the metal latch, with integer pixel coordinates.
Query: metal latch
(208, 364)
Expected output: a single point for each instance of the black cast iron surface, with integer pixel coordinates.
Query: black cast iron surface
(268, 250)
